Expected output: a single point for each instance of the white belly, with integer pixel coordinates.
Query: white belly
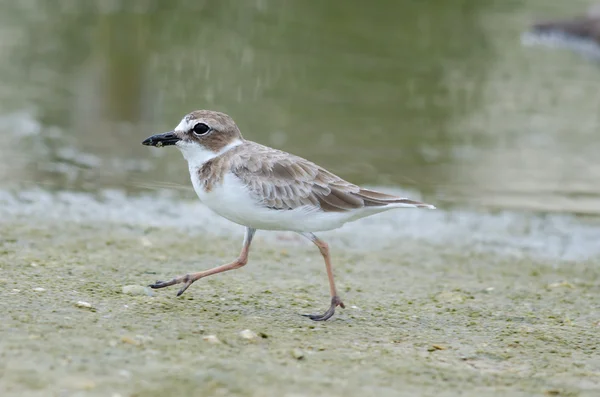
(232, 200)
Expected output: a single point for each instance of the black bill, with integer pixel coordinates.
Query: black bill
(158, 140)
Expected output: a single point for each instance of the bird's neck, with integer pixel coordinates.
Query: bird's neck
(197, 155)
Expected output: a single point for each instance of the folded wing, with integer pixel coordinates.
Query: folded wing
(283, 181)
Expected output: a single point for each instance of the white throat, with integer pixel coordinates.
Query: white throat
(196, 155)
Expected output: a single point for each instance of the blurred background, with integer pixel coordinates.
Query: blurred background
(437, 96)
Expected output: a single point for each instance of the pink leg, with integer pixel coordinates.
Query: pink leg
(189, 279)
(335, 299)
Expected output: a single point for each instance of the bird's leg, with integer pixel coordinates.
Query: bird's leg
(335, 299)
(189, 279)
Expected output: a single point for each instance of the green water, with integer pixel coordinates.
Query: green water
(437, 98)
(433, 96)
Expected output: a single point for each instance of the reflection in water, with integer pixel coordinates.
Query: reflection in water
(436, 96)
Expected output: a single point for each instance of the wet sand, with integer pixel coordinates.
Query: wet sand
(510, 308)
(494, 294)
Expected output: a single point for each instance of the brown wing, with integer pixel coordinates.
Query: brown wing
(284, 181)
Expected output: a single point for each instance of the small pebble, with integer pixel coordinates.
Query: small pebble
(560, 284)
(435, 347)
(212, 339)
(248, 334)
(450, 296)
(124, 373)
(136, 290)
(297, 354)
(84, 305)
(39, 289)
(130, 341)
(33, 264)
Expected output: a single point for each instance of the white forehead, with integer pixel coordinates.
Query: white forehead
(215, 120)
(186, 124)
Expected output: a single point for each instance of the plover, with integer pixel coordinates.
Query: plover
(264, 188)
(580, 34)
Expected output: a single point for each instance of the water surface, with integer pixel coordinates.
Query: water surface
(435, 97)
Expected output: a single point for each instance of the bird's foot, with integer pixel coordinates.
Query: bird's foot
(186, 280)
(335, 302)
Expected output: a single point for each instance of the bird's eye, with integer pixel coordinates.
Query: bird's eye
(201, 129)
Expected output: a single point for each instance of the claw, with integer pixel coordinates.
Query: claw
(335, 301)
(162, 284)
(319, 317)
(187, 280)
(185, 286)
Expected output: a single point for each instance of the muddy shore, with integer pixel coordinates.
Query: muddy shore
(422, 317)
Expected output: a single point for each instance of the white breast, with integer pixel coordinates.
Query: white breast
(232, 200)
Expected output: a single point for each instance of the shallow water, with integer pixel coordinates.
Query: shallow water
(437, 98)
(495, 293)
(506, 233)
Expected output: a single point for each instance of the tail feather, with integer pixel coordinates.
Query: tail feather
(372, 198)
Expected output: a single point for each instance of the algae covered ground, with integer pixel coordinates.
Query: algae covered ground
(424, 316)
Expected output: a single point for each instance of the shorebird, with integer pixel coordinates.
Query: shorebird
(264, 188)
(580, 34)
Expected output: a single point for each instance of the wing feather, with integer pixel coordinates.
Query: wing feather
(283, 181)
